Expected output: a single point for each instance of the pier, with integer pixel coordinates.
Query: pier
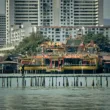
(19, 75)
(54, 80)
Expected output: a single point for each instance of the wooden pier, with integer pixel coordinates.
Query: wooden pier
(54, 80)
(14, 75)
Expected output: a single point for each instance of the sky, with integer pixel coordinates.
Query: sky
(106, 8)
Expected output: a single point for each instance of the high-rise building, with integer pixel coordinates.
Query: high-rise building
(20, 11)
(2, 30)
(70, 12)
(54, 13)
(88, 12)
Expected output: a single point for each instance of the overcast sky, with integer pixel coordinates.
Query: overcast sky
(106, 8)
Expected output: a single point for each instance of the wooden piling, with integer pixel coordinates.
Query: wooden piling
(25, 83)
(74, 82)
(35, 81)
(93, 83)
(56, 81)
(86, 81)
(30, 82)
(77, 81)
(49, 81)
(96, 82)
(17, 82)
(80, 83)
(67, 83)
(59, 84)
(41, 80)
(10, 82)
(71, 83)
(2, 82)
(52, 81)
(101, 81)
(7, 81)
(106, 81)
(42, 83)
(63, 82)
(38, 81)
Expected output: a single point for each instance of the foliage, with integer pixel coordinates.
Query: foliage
(30, 45)
(99, 39)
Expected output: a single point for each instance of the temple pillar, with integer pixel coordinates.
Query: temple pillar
(50, 63)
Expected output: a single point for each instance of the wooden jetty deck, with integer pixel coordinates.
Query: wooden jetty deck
(54, 80)
(53, 75)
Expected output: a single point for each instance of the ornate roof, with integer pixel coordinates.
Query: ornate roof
(73, 42)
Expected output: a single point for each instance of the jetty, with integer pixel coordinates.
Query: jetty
(53, 75)
(54, 80)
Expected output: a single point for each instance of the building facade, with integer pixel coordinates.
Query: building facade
(19, 32)
(57, 13)
(2, 30)
(19, 12)
(70, 12)
(57, 34)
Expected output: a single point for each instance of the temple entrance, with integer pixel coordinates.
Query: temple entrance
(57, 63)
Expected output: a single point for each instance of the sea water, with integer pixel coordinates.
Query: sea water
(55, 97)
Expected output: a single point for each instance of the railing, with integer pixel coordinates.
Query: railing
(79, 65)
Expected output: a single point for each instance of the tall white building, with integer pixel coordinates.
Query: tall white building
(20, 11)
(54, 13)
(19, 32)
(70, 12)
(2, 30)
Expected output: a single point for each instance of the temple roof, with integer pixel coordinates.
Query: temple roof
(73, 42)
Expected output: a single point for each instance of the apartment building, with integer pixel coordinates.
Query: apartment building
(2, 30)
(70, 12)
(61, 33)
(57, 13)
(19, 12)
(19, 32)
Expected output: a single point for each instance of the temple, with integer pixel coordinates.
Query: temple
(72, 57)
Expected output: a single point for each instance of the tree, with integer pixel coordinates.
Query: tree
(99, 39)
(30, 44)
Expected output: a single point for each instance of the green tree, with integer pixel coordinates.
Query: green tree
(99, 38)
(31, 44)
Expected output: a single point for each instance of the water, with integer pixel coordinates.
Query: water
(55, 98)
